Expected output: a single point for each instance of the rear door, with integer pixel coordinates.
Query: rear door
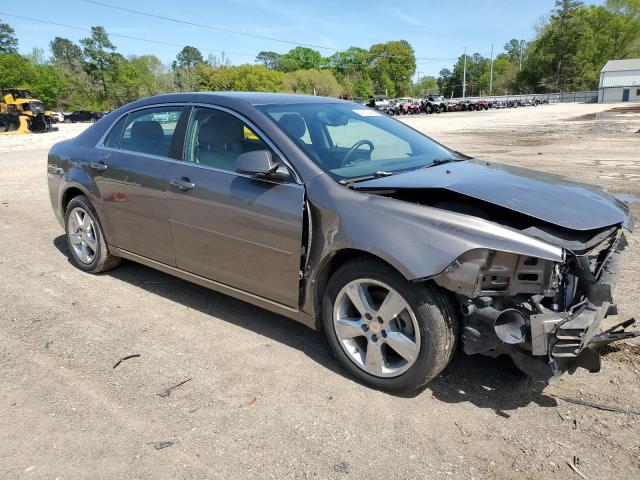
(129, 169)
(237, 230)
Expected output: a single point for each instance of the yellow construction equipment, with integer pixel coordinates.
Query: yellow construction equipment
(19, 113)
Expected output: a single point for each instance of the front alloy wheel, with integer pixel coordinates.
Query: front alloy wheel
(376, 328)
(385, 330)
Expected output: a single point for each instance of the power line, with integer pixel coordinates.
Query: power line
(160, 42)
(85, 29)
(226, 30)
(209, 27)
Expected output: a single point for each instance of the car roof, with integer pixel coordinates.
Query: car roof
(253, 98)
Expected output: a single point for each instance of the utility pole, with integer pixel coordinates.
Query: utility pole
(464, 75)
(491, 72)
(521, 48)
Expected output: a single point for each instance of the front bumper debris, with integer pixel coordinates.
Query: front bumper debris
(571, 339)
(562, 341)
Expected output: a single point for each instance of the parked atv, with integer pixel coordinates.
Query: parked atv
(392, 108)
(437, 103)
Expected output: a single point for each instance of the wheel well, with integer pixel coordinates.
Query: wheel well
(329, 268)
(69, 194)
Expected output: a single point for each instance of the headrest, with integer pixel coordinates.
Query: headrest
(293, 124)
(147, 131)
(219, 130)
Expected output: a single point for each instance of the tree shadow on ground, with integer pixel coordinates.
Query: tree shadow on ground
(492, 383)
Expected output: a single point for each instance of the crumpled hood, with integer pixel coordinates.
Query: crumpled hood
(551, 198)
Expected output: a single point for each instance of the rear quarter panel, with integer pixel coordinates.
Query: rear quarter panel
(66, 168)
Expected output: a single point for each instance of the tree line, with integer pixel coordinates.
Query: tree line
(570, 47)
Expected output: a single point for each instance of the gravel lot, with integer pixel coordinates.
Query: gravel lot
(265, 399)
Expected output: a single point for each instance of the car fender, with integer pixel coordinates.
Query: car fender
(419, 241)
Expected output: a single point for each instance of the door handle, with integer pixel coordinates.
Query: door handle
(99, 166)
(182, 183)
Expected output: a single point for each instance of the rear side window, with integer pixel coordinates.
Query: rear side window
(150, 131)
(114, 136)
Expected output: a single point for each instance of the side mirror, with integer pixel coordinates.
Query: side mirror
(260, 164)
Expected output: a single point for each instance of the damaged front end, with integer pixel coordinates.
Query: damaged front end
(545, 315)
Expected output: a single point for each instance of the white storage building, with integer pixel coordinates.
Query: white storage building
(620, 81)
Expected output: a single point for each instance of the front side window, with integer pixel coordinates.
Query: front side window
(216, 138)
(351, 141)
(149, 131)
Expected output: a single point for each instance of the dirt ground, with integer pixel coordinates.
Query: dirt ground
(265, 399)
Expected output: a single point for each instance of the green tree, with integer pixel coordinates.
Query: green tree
(66, 55)
(512, 48)
(269, 59)
(100, 57)
(160, 75)
(505, 75)
(15, 71)
(351, 69)
(300, 58)
(257, 78)
(393, 65)
(37, 56)
(47, 84)
(427, 85)
(354, 59)
(363, 87)
(445, 82)
(8, 40)
(312, 82)
(189, 57)
(183, 66)
(45, 81)
(630, 8)
(131, 79)
(451, 82)
(576, 42)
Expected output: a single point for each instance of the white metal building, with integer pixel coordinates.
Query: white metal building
(620, 81)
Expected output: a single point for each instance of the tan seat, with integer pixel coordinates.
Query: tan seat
(147, 136)
(220, 142)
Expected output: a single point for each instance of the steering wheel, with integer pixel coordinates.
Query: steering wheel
(356, 146)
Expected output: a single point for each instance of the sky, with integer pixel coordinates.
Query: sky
(438, 30)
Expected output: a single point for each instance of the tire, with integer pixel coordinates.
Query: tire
(85, 238)
(92, 120)
(67, 120)
(427, 308)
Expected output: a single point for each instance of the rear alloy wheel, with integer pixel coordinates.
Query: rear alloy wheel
(386, 331)
(85, 239)
(82, 236)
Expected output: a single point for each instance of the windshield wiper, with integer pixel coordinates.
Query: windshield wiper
(378, 174)
(440, 161)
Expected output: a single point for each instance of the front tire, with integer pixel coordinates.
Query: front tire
(389, 333)
(85, 238)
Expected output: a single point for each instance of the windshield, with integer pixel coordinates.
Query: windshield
(351, 141)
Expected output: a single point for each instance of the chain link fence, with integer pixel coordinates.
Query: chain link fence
(561, 97)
